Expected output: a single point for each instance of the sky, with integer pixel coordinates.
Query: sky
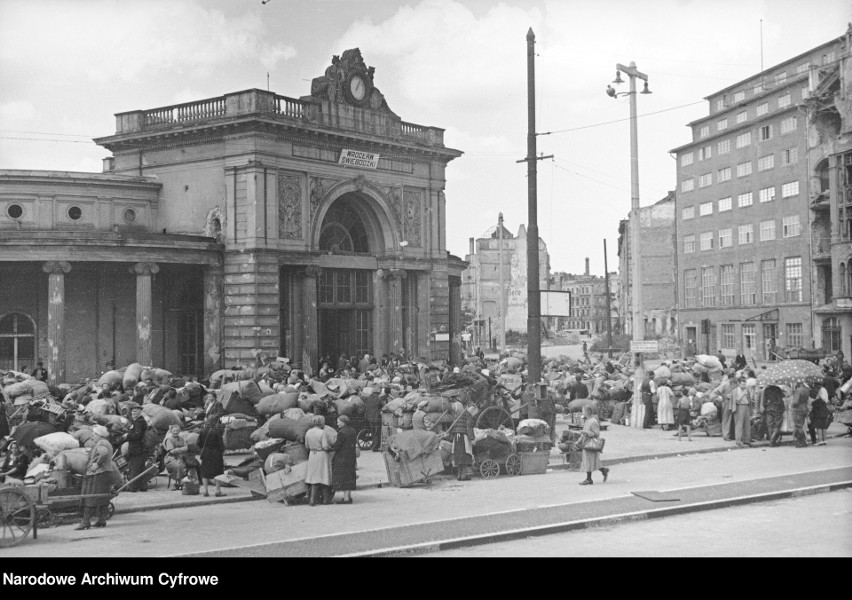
(67, 66)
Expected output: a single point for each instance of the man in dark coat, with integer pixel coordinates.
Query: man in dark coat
(136, 453)
(721, 358)
(740, 361)
(40, 372)
(344, 463)
(800, 406)
(772, 408)
(373, 416)
(647, 389)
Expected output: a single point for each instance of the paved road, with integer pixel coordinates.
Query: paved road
(815, 525)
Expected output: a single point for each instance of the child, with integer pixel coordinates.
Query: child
(684, 418)
(819, 419)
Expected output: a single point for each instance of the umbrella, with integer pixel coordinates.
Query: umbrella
(791, 373)
(26, 432)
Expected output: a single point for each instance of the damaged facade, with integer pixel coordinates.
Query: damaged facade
(233, 226)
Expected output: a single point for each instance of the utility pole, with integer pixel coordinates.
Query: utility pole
(608, 307)
(502, 288)
(638, 324)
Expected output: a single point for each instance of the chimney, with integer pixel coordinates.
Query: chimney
(471, 247)
(587, 266)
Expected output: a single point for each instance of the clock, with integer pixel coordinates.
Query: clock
(357, 88)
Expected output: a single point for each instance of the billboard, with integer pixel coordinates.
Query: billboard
(555, 304)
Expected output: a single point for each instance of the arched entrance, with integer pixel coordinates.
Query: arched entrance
(345, 307)
(17, 342)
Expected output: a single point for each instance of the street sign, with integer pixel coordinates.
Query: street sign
(644, 347)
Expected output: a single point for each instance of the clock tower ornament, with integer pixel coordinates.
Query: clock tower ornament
(348, 79)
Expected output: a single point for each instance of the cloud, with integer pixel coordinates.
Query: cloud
(15, 112)
(103, 41)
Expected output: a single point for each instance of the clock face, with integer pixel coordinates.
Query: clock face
(357, 87)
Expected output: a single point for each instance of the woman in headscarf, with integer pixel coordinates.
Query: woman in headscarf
(461, 435)
(345, 459)
(591, 460)
(97, 482)
(176, 449)
(212, 455)
(321, 446)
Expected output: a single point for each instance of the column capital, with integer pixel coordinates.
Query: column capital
(56, 267)
(398, 273)
(312, 272)
(145, 268)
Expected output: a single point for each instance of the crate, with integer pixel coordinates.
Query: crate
(387, 434)
(286, 486)
(534, 463)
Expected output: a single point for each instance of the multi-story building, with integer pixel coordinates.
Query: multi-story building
(829, 163)
(657, 227)
(743, 247)
(588, 300)
(481, 292)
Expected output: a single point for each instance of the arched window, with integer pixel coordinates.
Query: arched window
(343, 231)
(17, 342)
(842, 279)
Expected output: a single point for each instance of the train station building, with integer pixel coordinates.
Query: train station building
(233, 226)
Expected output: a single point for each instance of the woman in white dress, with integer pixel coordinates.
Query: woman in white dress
(665, 406)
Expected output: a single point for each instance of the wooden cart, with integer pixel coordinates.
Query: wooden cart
(488, 459)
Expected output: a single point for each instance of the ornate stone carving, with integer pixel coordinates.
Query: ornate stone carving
(215, 224)
(396, 207)
(54, 267)
(398, 273)
(289, 206)
(360, 182)
(413, 217)
(333, 85)
(145, 268)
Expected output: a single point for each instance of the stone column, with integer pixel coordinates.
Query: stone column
(144, 273)
(56, 271)
(214, 290)
(380, 321)
(310, 305)
(395, 309)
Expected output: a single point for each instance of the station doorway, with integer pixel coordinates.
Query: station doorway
(345, 314)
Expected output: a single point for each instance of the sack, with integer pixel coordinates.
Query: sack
(593, 444)
(276, 461)
(150, 439)
(54, 443)
(290, 430)
(277, 403)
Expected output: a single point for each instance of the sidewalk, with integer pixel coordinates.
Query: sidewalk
(624, 445)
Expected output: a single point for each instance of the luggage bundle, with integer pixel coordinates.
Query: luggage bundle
(290, 429)
(238, 430)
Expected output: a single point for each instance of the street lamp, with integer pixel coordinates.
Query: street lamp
(632, 73)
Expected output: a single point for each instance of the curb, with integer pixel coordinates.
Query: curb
(456, 543)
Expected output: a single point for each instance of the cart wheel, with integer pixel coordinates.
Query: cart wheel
(513, 464)
(365, 439)
(494, 416)
(489, 469)
(17, 516)
(110, 511)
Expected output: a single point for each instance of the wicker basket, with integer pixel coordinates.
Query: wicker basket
(573, 459)
(298, 452)
(534, 463)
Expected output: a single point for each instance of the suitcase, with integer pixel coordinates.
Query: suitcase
(282, 487)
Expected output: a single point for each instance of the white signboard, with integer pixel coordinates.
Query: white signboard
(555, 304)
(356, 158)
(466, 337)
(644, 347)
(442, 337)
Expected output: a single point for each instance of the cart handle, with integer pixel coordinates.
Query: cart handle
(142, 474)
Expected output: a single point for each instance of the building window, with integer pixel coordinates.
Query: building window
(828, 58)
(790, 189)
(687, 185)
(790, 156)
(748, 295)
(790, 226)
(769, 285)
(831, 332)
(705, 153)
(758, 89)
(746, 234)
(805, 92)
(688, 243)
(726, 238)
(722, 125)
(739, 96)
(767, 194)
(724, 146)
(688, 213)
(690, 278)
(744, 169)
(724, 174)
(704, 131)
(794, 335)
(708, 287)
(793, 279)
(762, 109)
(705, 208)
(780, 78)
(720, 104)
(727, 285)
(745, 199)
(783, 101)
(764, 163)
(749, 336)
(705, 180)
(728, 339)
(765, 133)
(743, 140)
(686, 159)
(725, 204)
(767, 231)
(742, 117)
(802, 68)
(17, 343)
(705, 241)
(789, 124)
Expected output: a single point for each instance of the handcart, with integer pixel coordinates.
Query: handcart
(490, 455)
(25, 508)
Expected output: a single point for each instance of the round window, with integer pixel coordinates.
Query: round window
(129, 215)
(15, 211)
(74, 213)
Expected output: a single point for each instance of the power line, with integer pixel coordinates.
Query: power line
(28, 139)
(46, 133)
(621, 120)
